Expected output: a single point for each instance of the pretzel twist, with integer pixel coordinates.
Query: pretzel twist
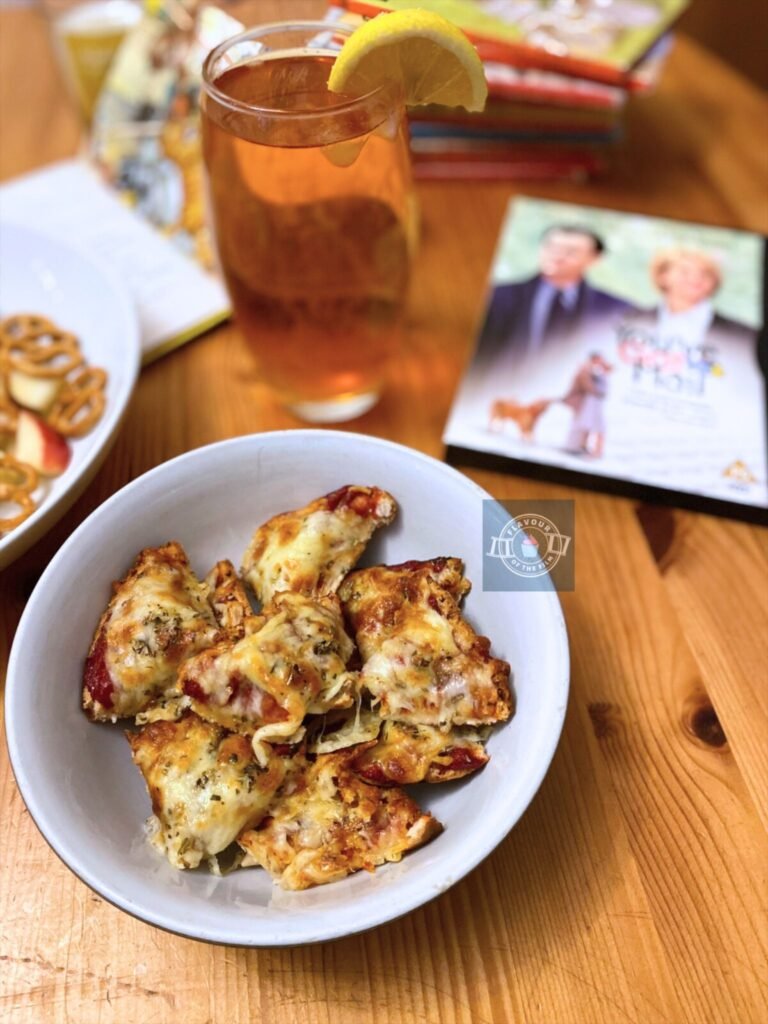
(9, 414)
(52, 355)
(9, 495)
(35, 346)
(17, 481)
(80, 403)
(24, 325)
(17, 475)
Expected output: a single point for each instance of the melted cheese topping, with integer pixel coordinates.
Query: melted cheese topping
(205, 786)
(266, 683)
(159, 616)
(310, 550)
(423, 662)
(326, 823)
(357, 726)
(406, 753)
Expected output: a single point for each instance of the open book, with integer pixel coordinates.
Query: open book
(175, 298)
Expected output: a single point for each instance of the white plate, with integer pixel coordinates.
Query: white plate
(43, 275)
(78, 780)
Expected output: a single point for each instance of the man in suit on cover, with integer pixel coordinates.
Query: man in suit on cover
(555, 307)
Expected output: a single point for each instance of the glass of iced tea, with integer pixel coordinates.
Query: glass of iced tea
(86, 37)
(310, 194)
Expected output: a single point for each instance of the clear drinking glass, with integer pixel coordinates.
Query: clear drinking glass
(86, 36)
(311, 200)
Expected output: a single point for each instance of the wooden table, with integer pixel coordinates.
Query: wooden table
(634, 888)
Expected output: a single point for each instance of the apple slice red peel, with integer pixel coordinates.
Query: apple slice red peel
(40, 445)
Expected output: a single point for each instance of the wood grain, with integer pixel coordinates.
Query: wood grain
(634, 888)
(715, 574)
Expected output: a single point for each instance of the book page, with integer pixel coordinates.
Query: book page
(175, 298)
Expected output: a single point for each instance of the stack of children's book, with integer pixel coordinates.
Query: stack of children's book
(560, 74)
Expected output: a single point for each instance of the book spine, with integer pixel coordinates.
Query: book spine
(506, 165)
(551, 96)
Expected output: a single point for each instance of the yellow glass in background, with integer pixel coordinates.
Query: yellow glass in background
(87, 36)
(312, 207)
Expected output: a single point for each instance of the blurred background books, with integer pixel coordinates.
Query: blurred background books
(560, 75)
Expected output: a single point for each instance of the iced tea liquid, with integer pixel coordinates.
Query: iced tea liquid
(311, 207)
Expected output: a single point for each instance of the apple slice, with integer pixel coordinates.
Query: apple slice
(9, 415)
(40, 445)
(36, 393)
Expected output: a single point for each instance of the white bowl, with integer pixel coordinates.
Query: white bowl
(45, 275)
(78, 780)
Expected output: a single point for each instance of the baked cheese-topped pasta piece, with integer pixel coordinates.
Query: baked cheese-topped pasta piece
(205, 786)
(159, 615)
(422, 662)
(403, 752)
(406, 753)
(326, 823)
(264, 685)
(229, 601)
(310, 550)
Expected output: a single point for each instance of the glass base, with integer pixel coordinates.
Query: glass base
(335, 410)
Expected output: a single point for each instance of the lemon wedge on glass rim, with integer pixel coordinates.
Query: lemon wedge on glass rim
(427, 55)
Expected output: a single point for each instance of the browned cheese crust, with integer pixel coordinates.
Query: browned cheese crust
(229, 601)
(327, 823)
(422, 662)
(406, 753)
(264, 685)
(308, 551)
(158, 617)
(205, 786)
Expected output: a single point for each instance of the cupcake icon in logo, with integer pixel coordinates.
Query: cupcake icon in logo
(529, 548)
(529, 545)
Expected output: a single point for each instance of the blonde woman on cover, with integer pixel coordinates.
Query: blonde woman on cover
(688, 281)
(685, 329)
